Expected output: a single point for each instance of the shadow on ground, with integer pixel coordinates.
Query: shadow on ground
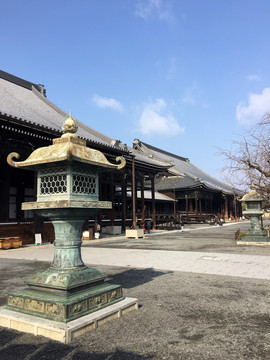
(134, 277)
(53, 351)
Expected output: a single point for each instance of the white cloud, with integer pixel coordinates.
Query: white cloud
(154, 9)
(258, 105)
(253, 77)
(155, 120)
(107, 103)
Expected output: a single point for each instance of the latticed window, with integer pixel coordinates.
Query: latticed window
(53, 181)
(254, 206)
(62, 181)
(83, 183)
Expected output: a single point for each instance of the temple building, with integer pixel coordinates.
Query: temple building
(153, 183)
(198, 194)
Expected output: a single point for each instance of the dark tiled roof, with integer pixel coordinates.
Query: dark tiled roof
(188, 174)
(27, 102)
(175, 182)
(21, 82)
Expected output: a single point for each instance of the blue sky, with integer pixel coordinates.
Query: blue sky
(185, 76)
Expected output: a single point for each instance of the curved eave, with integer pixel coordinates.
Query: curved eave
(145, 165)
(152, 166)
(64, 150)
(212, 189)
(200, 186)
(34, 165)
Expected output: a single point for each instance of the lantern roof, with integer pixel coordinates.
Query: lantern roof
(252, 195)
(66, 148)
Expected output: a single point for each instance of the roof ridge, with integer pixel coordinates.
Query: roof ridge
(163, 151)
(19, 81)
(204, 178)
(212, 177)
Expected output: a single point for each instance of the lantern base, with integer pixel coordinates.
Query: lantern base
(65, 332)
(254, 238)
(63, 307)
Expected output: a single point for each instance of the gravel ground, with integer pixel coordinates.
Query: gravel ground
(181, 315)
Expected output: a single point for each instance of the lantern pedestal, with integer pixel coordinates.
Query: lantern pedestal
(254, 211)
(255, 233)
(68, 289)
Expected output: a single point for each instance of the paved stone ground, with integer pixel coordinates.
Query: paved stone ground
(182, 315)
(199, 238)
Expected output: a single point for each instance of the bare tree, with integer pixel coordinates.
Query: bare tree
(248, 160)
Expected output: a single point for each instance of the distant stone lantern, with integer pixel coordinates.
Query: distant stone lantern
(254, 211)
(67, 193)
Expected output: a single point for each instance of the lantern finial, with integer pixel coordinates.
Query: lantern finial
(69, 126)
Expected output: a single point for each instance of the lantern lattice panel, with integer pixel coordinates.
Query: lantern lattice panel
(53, 181)
(83, 184)
(84, 181)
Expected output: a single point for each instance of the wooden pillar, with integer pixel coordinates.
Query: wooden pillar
(200, 206)
(186, 204)
(191, 205)
(226, 209)
(112, 198)
(142, 199)
(196, 205)
(136, 197)
(153, 201)
(133, 196)
(124, 202)
(38, 221)
(230, 205)
(101, 197)
(235, 207)
(222, 210)
(174, 206)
